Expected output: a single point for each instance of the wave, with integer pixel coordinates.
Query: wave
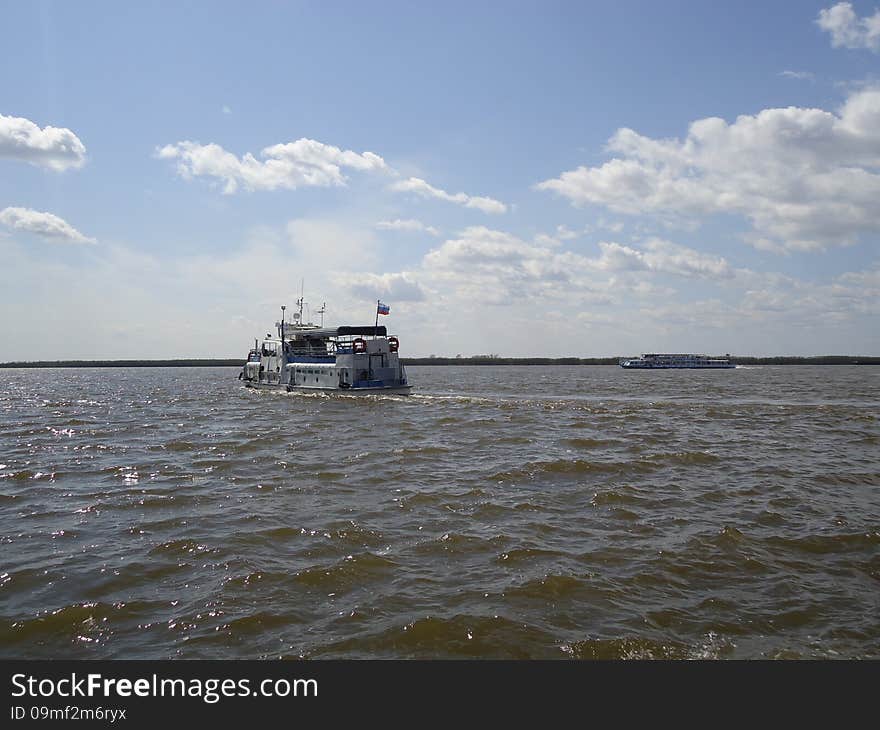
(638, 648)
(182, 546)
(846, 542)
(88, 621)
(567, 467)
(551, 587)
(516, 556)
(591, 443)
(350, 572)
(462, 636)
(454, 542)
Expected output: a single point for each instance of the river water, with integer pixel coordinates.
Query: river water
(498, 512)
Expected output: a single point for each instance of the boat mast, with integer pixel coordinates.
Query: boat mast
(376, 329)
(300, 301)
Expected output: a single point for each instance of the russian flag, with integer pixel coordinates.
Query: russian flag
(383, 309)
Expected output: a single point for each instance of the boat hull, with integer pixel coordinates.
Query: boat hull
(370, 390)
(676, 361)
(677, 367)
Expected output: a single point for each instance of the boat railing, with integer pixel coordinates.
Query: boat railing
(307, 349)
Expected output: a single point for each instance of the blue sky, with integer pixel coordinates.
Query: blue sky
(631, 176)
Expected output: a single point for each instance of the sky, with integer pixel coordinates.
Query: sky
(521, 178)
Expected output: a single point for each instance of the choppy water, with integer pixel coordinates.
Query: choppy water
(498, 512)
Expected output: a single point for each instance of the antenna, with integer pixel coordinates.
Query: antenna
(321, 312)
(282, 321)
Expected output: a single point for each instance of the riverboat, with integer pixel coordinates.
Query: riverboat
(306, 357)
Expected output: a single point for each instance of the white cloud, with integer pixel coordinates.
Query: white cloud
(868, 280)
(226, 110)
(53, 147)
(46, 225)
(397, 287)
(304, 163)
(613, 226)
(667, 257)
(798, 75)
(805, 178)
(480, 291)
(420, 187)
(563, 233)
(495, 267)
(543, 239)
(662, 257)
(408, 224)
(782, 305)
(618, 257)
(516, 280)
(490, 266)
(848, 30)
(500, 283)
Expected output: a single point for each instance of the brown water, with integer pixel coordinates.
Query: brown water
(498, 512)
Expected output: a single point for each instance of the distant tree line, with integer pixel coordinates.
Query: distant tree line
(777, 360)
(183, 363)
(496, 360)
(434, 360)
(817, 360)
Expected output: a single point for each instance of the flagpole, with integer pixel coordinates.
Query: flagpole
(376, 329)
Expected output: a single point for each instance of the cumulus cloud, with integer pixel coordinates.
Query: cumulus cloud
(663, 257)
(303, 163)
(805, 178)
(755, 313)
(498, 267)
(54, 147)
(420, 187)
(480, 265)
(495, 267)
(562, 233)
(779, 305)
(848, 30)
(45, 225)
(408, 224)
(396, 287)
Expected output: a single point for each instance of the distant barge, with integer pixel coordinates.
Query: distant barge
(668, 361)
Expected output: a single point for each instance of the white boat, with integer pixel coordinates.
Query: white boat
(666, 361)
(307, 358)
